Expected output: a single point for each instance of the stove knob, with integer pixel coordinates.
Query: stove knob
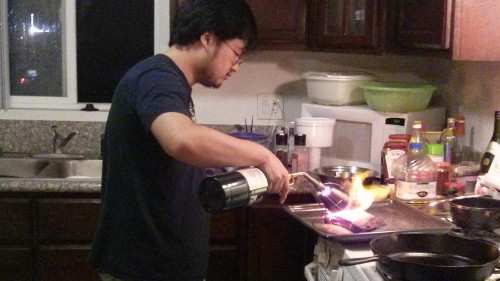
(319, 247)
(323, 258)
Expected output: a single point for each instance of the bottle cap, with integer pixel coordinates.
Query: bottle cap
(415, 145)
(434, 148)
(281, 139)
(300, 139)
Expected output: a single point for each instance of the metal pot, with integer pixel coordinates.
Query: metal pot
(342, 176)
(481, 213)
(430, 257)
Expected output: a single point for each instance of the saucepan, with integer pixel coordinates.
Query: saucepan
(431, 257)
(477, 212)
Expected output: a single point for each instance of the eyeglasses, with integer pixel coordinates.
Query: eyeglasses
(240, 60)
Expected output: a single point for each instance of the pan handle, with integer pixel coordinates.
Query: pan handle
(355, 261)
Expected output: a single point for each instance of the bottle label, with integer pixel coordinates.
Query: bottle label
(390, 156)
(257, 182)
(415, 190)
(489, 160)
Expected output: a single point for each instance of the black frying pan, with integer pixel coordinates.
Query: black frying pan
(431, 257)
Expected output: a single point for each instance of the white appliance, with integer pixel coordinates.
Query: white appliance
(327, 254)
(360, 132)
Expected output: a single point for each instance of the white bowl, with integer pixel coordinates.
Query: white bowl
(336, 88)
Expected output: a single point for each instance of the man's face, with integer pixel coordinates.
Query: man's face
(222, 62)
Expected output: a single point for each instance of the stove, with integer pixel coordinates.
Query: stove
(328, 252)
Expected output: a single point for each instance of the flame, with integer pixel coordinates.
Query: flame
(358, 194)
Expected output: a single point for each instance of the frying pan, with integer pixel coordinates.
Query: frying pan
(481, 213)
(431, 257)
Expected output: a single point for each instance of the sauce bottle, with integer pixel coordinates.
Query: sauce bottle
(396, 146)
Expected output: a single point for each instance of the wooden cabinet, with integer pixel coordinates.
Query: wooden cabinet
(281, 24)
(47, 236)
(457, 29)
(278, 246)
(350, 25)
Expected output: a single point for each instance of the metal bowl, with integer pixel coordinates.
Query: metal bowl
(342, 176)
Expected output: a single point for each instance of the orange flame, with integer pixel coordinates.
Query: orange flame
(361, 197)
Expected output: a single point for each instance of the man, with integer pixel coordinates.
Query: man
(152, 225)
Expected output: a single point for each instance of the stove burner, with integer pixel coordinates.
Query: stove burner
(387, 277)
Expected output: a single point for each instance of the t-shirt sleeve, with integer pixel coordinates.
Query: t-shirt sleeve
(158, 93)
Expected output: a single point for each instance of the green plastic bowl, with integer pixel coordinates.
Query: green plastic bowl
(397, 97)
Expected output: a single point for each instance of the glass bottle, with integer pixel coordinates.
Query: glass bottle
(300, 155)
(416, 175)
(490, 157)
(396, 146)
(241, 188)
(449, 140)
(281, 148)
(443, 176)
(460, 128)
(418, 135)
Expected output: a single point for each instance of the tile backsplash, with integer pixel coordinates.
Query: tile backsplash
(26, 136)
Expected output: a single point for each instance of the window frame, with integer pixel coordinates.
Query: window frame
(69, 101)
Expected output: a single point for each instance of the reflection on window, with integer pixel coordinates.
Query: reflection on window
(35, 48)
(351, 10)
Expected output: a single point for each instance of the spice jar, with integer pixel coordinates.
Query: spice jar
(396, 146)
(281, 148)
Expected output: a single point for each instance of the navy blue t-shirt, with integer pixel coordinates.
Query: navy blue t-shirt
(152, 225)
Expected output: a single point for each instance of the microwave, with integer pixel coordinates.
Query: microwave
(359, 132)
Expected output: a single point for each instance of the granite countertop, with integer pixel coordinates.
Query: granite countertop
(79, 185)
(49, 185)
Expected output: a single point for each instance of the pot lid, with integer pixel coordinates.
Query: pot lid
(339, 75)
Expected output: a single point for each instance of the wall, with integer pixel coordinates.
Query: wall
(472, 85)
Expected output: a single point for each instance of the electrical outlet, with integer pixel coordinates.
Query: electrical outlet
(270, 107)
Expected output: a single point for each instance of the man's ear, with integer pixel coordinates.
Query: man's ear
(207, 39)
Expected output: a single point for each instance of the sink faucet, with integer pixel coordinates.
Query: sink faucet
(57, 148)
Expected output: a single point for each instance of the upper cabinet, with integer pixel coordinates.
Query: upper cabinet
(457, 29)
(281, 24)
(348, 26)
(476, 33)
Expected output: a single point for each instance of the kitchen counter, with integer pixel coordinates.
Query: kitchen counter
(49, 185)
(80, 185)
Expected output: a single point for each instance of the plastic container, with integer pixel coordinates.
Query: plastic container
(397, 97)
(336, 88)
(415, 176)
(319, 132)
(435, 151)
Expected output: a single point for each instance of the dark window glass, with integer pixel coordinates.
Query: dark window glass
(112, 36)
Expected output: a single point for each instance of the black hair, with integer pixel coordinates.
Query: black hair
(226, 19)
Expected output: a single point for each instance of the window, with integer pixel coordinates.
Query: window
(63, 53)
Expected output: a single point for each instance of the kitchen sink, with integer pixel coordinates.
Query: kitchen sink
(45, 167)
(84, 169)
(21, 167)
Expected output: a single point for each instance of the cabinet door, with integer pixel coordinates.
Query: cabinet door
(278, 246)
(15, 263)
(281, 24)
(15, 220)
(349, 25)
(67, 220)
(65, 263)
(424, 24)
(227, 233)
